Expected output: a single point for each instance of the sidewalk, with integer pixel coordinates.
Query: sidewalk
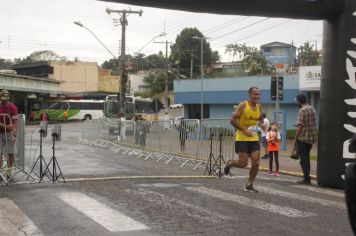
(289, 165)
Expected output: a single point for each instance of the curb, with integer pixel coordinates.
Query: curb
(137, 177)
(290, 173)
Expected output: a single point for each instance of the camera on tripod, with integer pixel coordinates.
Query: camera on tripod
(56, 132)
(43, 128)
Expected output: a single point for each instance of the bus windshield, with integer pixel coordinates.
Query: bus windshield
(134, 105)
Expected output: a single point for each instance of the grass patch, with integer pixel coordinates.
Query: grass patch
(313, 157)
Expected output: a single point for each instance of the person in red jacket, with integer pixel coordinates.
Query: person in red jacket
(273, 139)
(8, 127)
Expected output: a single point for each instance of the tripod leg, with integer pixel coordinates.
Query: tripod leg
(60, 171)
(47, 171)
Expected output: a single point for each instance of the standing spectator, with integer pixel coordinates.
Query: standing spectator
(305, 135)
(8, 127)
(183, 134)
(264, 133)
(44, 116)
(65, 114)
(141, 130)
(274, 139)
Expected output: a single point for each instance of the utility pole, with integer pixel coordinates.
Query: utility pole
(123, 74)
(201, 76)
(166, 81)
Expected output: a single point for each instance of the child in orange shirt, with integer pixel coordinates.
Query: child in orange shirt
(273, 139)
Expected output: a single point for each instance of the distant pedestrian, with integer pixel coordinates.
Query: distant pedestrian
(8, 128)
(264, 133)
(183, 134)
(65, 114)
(305, 135)
(44, 116)
(274, 139)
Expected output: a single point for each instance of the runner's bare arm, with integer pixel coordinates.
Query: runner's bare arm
(236, 116)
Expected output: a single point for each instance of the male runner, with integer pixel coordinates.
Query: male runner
(246, 119)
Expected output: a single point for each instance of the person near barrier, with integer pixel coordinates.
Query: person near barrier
(273, 139)
(305, 135)
(141, 130)
(183, 134)
(8, 127)
(264, 133)
(246, 119)
(44, 116)
(65, 114)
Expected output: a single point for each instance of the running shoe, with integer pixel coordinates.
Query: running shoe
(250, 188)
(227, 168)
(276, 174)
(269, 173)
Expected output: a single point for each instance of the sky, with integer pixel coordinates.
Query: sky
(33, 25)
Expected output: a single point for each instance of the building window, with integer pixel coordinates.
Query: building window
(194, 111)
(278, 51)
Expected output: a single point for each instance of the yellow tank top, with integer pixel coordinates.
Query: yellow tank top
(249, 119)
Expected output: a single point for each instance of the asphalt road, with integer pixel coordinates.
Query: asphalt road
(138, 197)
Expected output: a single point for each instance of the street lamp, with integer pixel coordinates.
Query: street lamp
(81, 25)
(201, 76)
(160, 35)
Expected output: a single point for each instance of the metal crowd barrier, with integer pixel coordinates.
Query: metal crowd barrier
(184, 142)
(19, 149)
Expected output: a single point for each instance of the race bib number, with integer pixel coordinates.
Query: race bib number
(253, 129)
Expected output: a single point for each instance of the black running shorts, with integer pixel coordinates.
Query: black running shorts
(247, 146)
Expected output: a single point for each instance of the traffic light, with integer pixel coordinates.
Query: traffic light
(274, 88)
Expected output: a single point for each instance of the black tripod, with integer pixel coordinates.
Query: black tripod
(40, 160)
(215, 164)
(55, 175)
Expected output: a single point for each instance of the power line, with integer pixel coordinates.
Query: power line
(245, 27)
(260, 32)
(225, 25)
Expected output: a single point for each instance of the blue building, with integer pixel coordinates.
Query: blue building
(221, 94)
(281, 55)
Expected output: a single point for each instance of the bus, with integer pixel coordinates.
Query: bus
(134, 106)
(76, 109)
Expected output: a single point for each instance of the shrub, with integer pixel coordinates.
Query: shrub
(290, 133)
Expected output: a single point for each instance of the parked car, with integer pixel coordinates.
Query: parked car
(175, 106)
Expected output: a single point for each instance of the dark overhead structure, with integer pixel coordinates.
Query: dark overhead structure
(302, 9)
(338, 85)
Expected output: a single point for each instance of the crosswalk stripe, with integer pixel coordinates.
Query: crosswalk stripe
(196, 212)
(109, 218)
(286, 211)
(13, 221)
(321, 190)
(301, 197)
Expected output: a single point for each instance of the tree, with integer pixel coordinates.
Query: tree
(215, 57)
(307, 56)
(249, 55)
(156, 81)
(155, 61)
(185, 47)
(137, 63)
(113, 65)
(5, 64)
(38, 56)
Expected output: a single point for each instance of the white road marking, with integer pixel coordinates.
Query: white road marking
(107, 217)
(286, 211)
(166, 202)
(321, 190)
(301, 197)
(13, 221)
